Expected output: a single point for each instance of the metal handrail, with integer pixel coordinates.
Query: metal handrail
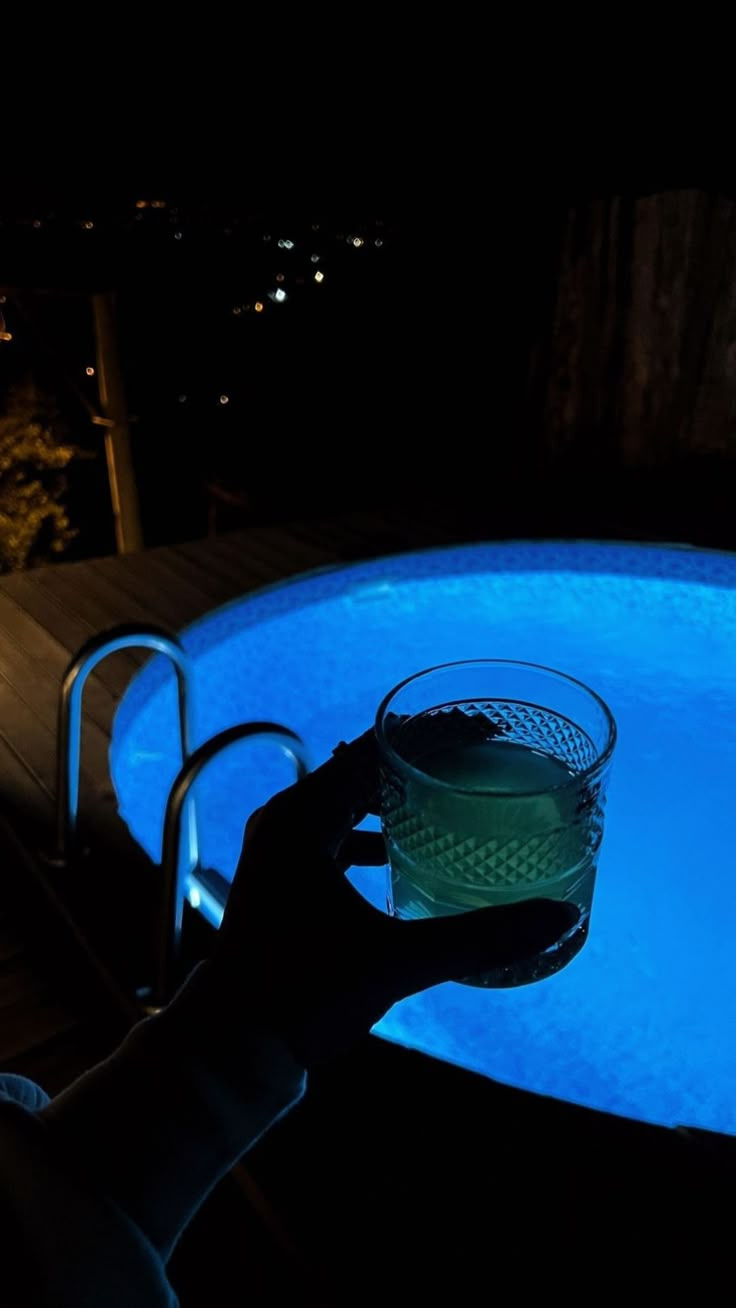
(173, 892)
(69, 738)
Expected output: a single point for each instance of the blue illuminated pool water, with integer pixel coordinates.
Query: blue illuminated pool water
(643, 1022)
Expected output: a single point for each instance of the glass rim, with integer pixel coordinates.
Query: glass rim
(603, 756)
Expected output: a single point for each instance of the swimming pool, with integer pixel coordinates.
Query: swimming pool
(643, 1021)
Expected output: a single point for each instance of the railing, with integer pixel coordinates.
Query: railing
(68, 758)
(172, 910)
(69, 739)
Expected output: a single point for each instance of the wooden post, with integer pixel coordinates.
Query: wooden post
(120, 471)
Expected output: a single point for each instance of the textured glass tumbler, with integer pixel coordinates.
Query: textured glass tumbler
(493, 786)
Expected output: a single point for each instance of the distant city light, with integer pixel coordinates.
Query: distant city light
(90, 372)
(158, 204)
(177, 236)
(286, 245)
(258, 306)
(141, 204)
(224, 399)
(378, 242)
(279, 296)
(314, 258)
(319, 276)
(237, 309)
(357, 242)
(88, 226)
(182, 399)
(279, 277)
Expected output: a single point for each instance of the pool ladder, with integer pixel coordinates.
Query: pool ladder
(68, 758)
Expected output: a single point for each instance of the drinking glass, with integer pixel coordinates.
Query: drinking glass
(493, 787)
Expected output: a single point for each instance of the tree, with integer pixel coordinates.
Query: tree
(33, 456)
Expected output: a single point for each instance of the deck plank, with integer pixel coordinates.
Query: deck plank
(23, 793)
(220, 570)
(28, 644)
(90, 603)
(68, 630)
(170, 607)
(22, 670)
(248, 570)
(154, 573)
(27, 708)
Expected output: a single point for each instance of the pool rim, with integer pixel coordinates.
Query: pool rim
(146, 682)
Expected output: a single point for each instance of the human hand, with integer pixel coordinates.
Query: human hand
(301, 947)
(301, 967)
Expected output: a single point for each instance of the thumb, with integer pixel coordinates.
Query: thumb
(436, 949)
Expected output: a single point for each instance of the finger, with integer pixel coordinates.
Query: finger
(431, 950)
(362, 849)
(318, 811)
(346, 785)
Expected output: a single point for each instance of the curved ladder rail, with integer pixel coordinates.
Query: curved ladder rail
(173, 888)
(69, 738)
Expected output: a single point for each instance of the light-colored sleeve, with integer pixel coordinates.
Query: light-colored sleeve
(99, 1184)
(64, 1243)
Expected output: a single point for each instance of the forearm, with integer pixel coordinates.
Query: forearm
(162, 1120)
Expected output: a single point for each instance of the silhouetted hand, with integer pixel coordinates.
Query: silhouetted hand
(121, 1160)
(301, 946)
